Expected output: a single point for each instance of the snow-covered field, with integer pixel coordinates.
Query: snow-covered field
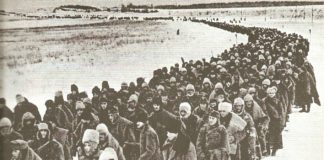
(91, 61)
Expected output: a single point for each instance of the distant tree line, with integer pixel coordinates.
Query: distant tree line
(76, 7)
(233, 5)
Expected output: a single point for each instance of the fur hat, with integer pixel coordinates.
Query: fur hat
(87, 100)
(185, 106)
(96, 90)
(266, 82)
(144, 84)
(133, 97)
(190, 87)
(5, 122)
(238, 101)
(248, 97)
(173, 79)
(160, 87)
(42, 126)
(225, 106)
(112, 110)
(251, 90)
(74, 88)
(79, 105)
(105, 84)
(49, 103)
(108, 154)
(83, 95)
(18, 144)
(124, 84)
(90, 135)
(28, 116)
(219, 85)
(102, 128)
(214, 114)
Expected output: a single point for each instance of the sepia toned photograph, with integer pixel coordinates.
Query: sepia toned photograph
(161, 79)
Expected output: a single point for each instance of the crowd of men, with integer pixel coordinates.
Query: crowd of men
(234, 106)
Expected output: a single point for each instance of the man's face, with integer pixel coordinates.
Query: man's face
(15, 154)
(220, 98)
(4, 131)
(131, 106)
(271, 93)
(156, 107)
(223, 113)
(190, 93)
(102, 136)
(238, 108)
(89, 148)
(103, 105)
(20, 99)
(248, 104)
(112, 117)
(184, 114)
(164, 99)
(79, 111)
(43, 133)
(212, 120)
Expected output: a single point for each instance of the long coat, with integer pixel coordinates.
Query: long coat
(51, 150)
(212, 143)
(21, 109)
(277, 121)
(170, 154)
(149, 144)
(235, 126)
(123, 131)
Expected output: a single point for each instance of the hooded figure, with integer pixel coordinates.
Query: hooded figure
(21, 108)
(28, 129)
(90, 145)
(275, 111)
(247, 145)
(106, 140)
(65, 106)
(5, 111)
(45, 146)
(212, 142)
(57, 115)
(7, 134)
(21, 151)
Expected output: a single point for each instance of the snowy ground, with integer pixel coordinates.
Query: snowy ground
(303, 137)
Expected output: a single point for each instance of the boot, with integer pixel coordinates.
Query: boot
(274, 151)
(303, 109)
(308, 108)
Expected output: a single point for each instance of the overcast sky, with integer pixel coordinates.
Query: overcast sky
(17, 5)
